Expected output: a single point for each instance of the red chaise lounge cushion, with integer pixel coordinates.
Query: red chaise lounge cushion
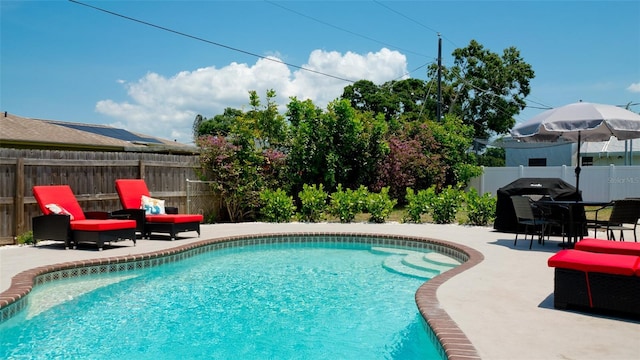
(596, 262)
(608, 246)
(102, 225)
(131, 191)
(60, 195)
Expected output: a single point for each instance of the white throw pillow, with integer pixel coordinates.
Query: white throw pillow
(58, 210)
(152, 206)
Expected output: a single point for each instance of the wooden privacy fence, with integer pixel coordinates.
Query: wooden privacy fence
(91, 176)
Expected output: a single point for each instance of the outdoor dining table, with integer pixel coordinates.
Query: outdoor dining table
(574, 233)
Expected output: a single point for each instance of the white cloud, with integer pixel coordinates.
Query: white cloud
(166, 107)
(635, 87)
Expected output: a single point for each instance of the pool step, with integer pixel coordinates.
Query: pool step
(388, 250)
(420, 262)
(441, 259)
(415, 263)
(395, 264)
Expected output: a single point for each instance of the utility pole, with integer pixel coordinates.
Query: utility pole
(439, 107)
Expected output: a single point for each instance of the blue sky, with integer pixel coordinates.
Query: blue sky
(62, 60)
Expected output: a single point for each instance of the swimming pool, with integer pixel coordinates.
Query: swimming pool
(241, 300)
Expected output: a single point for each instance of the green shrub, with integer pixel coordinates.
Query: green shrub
(277, 206)
(26, 238)
(361, 196)
(380, 205)
(445, 205)
(481, 210)
(418, 204)
(313, 203)
(345, 204)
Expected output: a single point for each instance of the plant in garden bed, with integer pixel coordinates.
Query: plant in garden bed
(345, 204)
(313, 203)
(380, 206)
(445, 205)
(481, 210)
(418, 204)
(277, 206)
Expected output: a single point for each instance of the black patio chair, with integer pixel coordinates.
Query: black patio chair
(526, 216)
(624, 216)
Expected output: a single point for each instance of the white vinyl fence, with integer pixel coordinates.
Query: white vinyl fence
(597, 183)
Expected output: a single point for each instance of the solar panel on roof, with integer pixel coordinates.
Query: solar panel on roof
(114, 133)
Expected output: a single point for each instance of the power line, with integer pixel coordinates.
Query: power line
(476, 88)
(363, 36)
(343, 29)
(414, 21)
(278, 60)
(406, 17)
(538, 107)
(210, 42)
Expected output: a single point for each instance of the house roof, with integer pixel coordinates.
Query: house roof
(21, 132)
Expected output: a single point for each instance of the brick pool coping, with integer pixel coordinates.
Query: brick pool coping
(454, 343)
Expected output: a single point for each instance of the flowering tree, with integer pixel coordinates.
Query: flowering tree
(238, 184)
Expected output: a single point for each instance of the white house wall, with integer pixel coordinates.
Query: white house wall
(556, 155)
(605, 153)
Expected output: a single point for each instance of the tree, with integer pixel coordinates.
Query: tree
(492, 157)
(455, 140)
(219, 125)
(269, 127)
(407, 97)
(234, 176)
(240, 154)
(339, 146)
(485, 89)
(406, 165)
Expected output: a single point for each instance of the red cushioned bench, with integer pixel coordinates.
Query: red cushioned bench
(608, 246)
(598, 282)
(131, 192)
(64, 220)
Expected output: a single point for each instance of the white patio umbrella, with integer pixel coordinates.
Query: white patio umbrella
(578, 122)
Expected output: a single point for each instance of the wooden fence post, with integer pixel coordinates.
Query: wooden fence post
(18, 218)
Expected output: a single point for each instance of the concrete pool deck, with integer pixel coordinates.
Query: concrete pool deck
(504, 304)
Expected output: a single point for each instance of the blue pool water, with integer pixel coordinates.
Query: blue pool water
(259, 302)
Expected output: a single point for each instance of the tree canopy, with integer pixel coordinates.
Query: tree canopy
(485, 89)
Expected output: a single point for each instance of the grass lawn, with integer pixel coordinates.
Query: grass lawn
(398, 213)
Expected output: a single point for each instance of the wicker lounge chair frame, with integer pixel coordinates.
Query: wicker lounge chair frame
(134, 189)
(598, 291)
(610, 293)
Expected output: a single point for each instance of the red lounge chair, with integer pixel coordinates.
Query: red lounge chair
(64, 220)
(131, 191)
(598, 282)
